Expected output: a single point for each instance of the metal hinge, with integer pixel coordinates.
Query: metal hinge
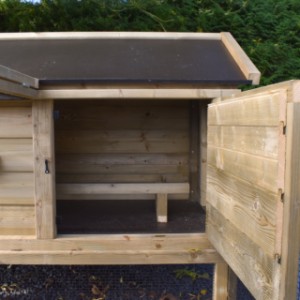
(277, 258)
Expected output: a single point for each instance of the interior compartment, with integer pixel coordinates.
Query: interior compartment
(128, 142)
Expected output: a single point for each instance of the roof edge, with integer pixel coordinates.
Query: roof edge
(109, 35)
(241, 58)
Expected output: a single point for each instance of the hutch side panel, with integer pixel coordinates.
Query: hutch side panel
(245, 182)
(17, 209)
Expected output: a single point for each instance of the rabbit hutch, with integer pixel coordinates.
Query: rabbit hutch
(140, 148)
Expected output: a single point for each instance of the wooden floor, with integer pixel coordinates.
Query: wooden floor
(109, 217)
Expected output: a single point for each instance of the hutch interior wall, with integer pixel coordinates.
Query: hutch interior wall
(66, 147)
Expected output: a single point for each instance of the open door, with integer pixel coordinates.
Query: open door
(253, 187)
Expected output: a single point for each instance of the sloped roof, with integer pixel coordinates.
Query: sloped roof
(55, 58)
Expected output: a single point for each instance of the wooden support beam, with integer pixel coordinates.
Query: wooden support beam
(44, 168)
(17, 89)
(241, 58)
(172, 94)
(291, 205)
(15, 76)
(109, 35)
(162, 208)
(220, 282)
(122, 188)
(110, 250)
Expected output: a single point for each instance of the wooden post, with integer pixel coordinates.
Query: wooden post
(220, 283)
(232, 285)
(162, 208)
(291, 204)
(203, 152)
(44, 168)
(194, 151)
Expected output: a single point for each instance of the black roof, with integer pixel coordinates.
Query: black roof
(122, 60)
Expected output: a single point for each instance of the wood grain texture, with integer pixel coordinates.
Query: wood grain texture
(245, 182)
(117, 142)
(110, 250)
(203, 152)
(245, 257)
(241, 58)
(291, 218)
(256, 109)
(17, 220)
(15, 122)
(220, 282)
(43, 142)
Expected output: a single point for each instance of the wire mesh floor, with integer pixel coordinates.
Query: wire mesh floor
(161, 282)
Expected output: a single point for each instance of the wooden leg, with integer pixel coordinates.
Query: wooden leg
(232, 285)
(220, 291)
(162, 208)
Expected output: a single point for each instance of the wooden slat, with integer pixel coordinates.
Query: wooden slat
(126, 188)
(162, 208)
(184, 94)
(243, 139)
(203, 153)
(241, 58)
(122, 142)
(16, 189)
(243, 203)
(14, 89)
(121, 178)
(15, 122)
(16, 155)
(123, 159)
(255, 169)
(110, 35)
(15, 76)
(17, 220)
(43, 142)
(109, 197)
(265, 109)
(291, 218)
(256, 270)
(220, 282)
(194, 154)
(110, 250)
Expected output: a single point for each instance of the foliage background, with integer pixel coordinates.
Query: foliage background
(268, 30)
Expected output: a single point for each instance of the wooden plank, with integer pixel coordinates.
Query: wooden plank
(162, 208)
(123, 159)
(265, 109)
(256, 271)
(16, 189)
(109, 35)
(256, 140)
(172, 94)
(291, 217)
(232, 285)
(14, 89)
(91, 115)
(122, 142)
(220, 282)
(121, 169)
(16, 155)
(15, 122)
(243, 203)
(43, 141)
(110, 250)
(17, 220)
(112, 197)
(121, 178)
(124, 188)
(258, 170)
(194, 155)
(203, 153)
(241, 58)
(15, 76)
